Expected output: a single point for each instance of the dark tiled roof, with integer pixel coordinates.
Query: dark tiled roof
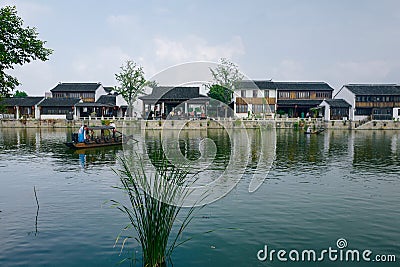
(285, 86)
(300, 86)
(76, 87)
(59, 102)
(172, 93)
(374, 89)
(299, 102)
(21, 101)
(337, 103)
(257, 84)
(107, 99)
(108, 89)
(93, 104)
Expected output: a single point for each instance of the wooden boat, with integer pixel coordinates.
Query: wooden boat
(315, 132)
(102, 137)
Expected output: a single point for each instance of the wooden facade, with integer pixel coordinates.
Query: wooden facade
(377, 104)
(85, 96)
(84, 91)
(374, 101)
(305, 94)
(296, 99)
(255, 100)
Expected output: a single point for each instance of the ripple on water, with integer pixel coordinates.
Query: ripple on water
(318, 190)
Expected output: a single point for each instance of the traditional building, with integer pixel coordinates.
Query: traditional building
(255, 98)
(174, 101)
(58, 108)
(95, 99)
(19, 107)
(105, 106)
(296, 99)
(374, 101)
(88, 92)
(335, 109)
(68, 100)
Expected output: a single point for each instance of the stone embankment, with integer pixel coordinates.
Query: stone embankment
(209, 124)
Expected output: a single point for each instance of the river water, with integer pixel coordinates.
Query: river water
(319, 188)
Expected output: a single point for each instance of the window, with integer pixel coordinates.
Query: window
(266, 93)
(255, 93)
(74, 95)
(363, 111)
(257, 109)
(323, 94)
(272, 108)
(303, 94)
(59, 95)
(243, 93)
(284, 95)
(56, 110)
(241, 108)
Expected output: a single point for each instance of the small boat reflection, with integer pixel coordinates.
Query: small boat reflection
(97, 156)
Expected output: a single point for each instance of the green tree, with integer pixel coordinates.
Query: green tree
(132, 83)
(20, 94)
(220, 93)
(226, 77)
(18, 45)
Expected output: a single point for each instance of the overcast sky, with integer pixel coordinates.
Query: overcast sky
(334, 41)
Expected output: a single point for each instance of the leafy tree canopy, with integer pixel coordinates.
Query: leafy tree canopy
(20, 94)
(18, 45)
(131, 83)
(226, 77)
(220, 93)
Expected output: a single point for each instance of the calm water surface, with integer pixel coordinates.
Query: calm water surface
(321, 188)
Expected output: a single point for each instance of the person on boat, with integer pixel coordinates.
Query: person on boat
(112, 124)
(82, 133)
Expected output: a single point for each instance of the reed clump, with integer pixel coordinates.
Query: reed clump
(153, 205)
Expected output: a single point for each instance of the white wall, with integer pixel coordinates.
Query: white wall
(327, 110)
(37, 109)
(120, 101)
(350, 98)
(249, 93)
(137, 105)
(99, 92)
(53, 117)
(37, 112)
(396, 113)
(360, 117)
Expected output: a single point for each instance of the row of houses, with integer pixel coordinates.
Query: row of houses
(302, 99)
(257, 98)
(68, 101)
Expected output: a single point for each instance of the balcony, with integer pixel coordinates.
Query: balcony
(255, 100)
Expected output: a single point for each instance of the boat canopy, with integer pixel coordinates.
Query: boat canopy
(103, 127)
